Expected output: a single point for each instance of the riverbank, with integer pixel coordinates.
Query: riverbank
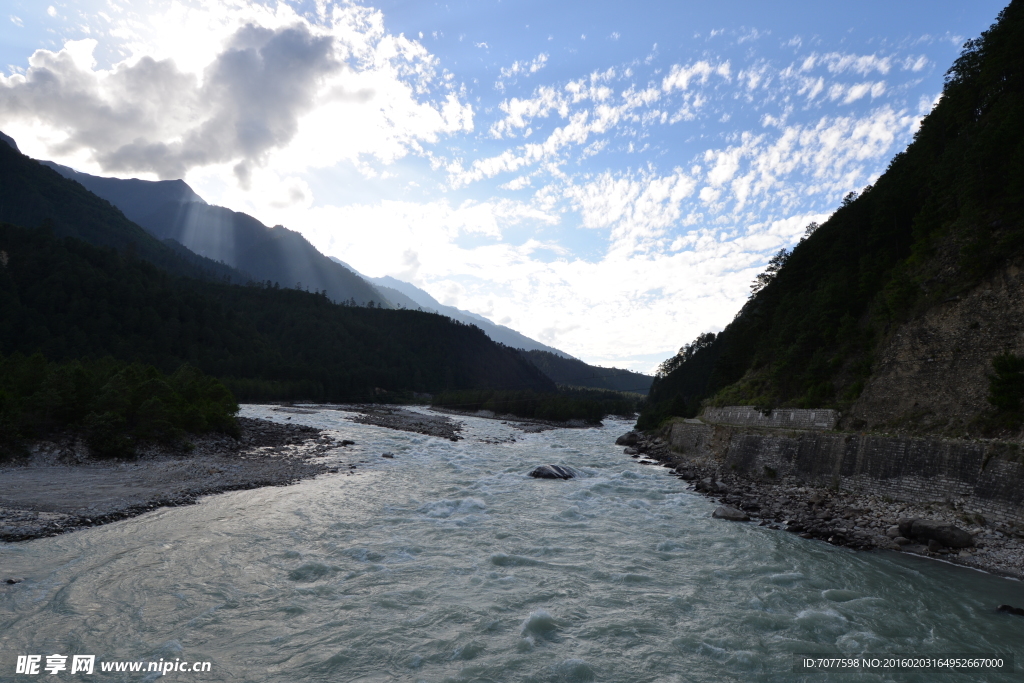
(528, 425)
(393, 417)
(60, 489)
(861, 522)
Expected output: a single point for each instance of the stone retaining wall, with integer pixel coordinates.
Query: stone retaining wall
(970, 474)
(780, 418)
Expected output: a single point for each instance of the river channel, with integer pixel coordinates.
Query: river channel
(447, 563)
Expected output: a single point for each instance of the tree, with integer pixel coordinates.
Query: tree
(774, 266)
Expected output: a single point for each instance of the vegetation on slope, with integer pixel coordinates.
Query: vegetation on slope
(569, 403)
(946, 212)
(117, 405)
(32, 194)
(573, 372)
(67, 299)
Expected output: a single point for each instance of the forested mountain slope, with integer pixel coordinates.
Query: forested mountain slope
(499, 333)
(573, 372)
(865, 303)
(68, 299)
(33, 195)
(170, 209)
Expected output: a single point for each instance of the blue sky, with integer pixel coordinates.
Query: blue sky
(605, 177)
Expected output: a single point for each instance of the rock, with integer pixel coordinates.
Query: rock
(816, 498)
(893, 532)
(14, 581)
(347, 442)
(552, 472)
(946, 534)
(1009, 609)
(387, 455)
(629, 450)
(901, 541)
(730, 513)
(905, 526)
(627, 439)
(934, 545)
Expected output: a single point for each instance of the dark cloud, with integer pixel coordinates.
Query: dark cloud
(151, 117)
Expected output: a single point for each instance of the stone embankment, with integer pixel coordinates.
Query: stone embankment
(860, 491)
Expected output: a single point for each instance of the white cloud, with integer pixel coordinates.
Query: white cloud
(679, 77)
(861, 64)
(16, 21)
(258, 89)
(915, 64)
(521, 68)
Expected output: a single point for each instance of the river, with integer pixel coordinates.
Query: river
(447, 563)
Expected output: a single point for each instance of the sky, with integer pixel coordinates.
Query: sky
(605, 177)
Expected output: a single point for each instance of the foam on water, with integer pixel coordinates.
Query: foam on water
(448, 563)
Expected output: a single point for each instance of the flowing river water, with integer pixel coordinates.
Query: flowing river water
(447, 563)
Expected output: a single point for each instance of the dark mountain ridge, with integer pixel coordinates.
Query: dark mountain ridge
(33, 195)
(170, 209)
(410, 296)
(68, 299)
(576, 373)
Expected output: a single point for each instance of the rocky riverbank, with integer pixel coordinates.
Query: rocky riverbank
(528, 425)
(406, 421)
(59, 488)
(845, 518)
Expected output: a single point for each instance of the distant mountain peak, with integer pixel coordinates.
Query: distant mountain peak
(404, 293)
(10, 141)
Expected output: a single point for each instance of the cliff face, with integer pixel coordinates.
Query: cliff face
(969, 476)
(931, 374)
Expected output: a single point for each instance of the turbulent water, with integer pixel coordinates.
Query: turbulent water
(447, 563)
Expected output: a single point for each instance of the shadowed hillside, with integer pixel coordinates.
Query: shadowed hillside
(68, 299)
(572, 372)
(170, 209)
(33, 195)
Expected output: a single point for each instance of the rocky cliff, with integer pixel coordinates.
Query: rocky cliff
(931, 374)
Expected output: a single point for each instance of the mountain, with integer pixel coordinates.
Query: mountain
(68, 299)
(90, 283)
(905, 309)
(410, 296)
(558, 365)
(170, 209)
(136, 198)
(573, 372)
(33, 195)
(10, 141)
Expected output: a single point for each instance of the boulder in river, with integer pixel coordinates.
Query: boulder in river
(627, 439)
(1010, 609)
(552, 472)
(926, 530)
(730, 513)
